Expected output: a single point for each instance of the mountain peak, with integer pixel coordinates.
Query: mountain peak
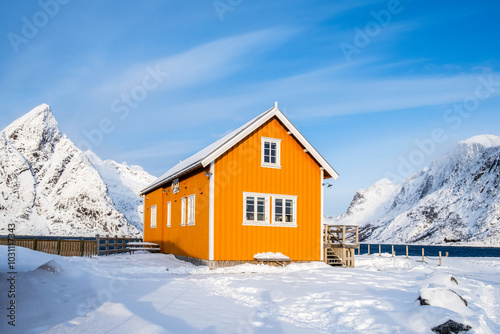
(486, 141)
(49, 186)
(456, 198)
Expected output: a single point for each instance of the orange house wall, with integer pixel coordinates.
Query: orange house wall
(239, 170)
(185, 240)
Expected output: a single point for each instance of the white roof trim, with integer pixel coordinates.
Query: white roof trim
(215, 150)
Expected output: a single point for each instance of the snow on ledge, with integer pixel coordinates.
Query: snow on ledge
(270, 256)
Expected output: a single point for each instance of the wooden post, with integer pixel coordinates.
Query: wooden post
(58, 246)
(82, 247)
(97, 244)
(368, 249)
(393, 251)
(406, 251)
(35, 246)
(447, 254)
(423, 256)
(379, 250)
(116, 245)
(440, 263)
(107, 244)
(343, 235)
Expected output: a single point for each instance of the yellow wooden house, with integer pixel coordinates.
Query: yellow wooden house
(258, 189)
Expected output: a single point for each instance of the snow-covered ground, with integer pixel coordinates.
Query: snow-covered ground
(156, 293)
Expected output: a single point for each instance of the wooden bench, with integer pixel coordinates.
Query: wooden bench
(146, 246)
(266, 259)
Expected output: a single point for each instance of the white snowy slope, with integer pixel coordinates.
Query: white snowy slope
(124, 183)
(456, 199)
(49, 187)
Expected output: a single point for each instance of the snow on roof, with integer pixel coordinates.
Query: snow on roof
(216, 149)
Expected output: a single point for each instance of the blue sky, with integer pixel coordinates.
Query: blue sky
(380, 88)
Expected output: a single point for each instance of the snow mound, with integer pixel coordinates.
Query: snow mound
(52, 266)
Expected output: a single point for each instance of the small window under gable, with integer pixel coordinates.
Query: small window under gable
(270, 152)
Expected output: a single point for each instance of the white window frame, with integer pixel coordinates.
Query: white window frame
(169, 214)
(278, 152)
(266, 209)
(270, 214)
(284, 198)
(191, 210)
(152, 223)
(183, 211)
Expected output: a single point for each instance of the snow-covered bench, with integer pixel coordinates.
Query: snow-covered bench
(147, 246)
(271, 257)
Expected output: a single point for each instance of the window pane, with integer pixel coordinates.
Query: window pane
(278, 210)
(289, 211)
(266, 144)
(266, 152)
(261, 207)
(273, 146)
(250, 208)
(273, 160)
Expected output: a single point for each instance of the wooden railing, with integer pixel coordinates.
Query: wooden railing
(100, 245)
(340, 242)
(113, 245)
(343, 235)
(63, 247)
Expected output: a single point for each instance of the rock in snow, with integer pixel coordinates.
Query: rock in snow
(455, 199)
(50, 187)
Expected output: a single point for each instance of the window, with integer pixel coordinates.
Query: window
(169, 215)
(153, 216)
(191, 210)
(284, 210)
(271, 152)
(183, 211)
(256, 208)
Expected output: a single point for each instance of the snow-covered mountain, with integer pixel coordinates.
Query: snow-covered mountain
(50, 187)
(456, 199)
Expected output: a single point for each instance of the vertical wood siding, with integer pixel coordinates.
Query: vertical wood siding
(180, 240)
(239, 170)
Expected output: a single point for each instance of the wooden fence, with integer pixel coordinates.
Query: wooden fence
(74, 247)
(113, 245)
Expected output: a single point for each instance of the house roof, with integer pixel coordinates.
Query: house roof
(210, 153)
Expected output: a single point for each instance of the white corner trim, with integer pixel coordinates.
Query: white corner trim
(211, 206)
(322, 214)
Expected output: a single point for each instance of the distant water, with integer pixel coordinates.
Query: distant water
(416, 250)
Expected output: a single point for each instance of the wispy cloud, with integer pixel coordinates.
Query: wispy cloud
(201, 64)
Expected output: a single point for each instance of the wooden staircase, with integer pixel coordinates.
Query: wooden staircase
(339, 244)
(333, 259)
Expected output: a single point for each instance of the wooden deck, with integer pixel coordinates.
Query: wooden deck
(339, 244)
